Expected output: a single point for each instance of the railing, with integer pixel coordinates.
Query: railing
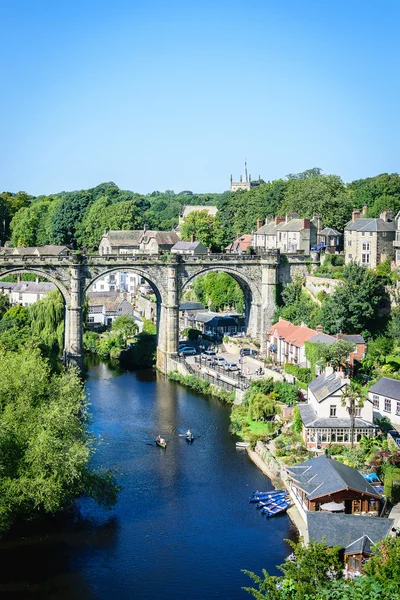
(226, 385)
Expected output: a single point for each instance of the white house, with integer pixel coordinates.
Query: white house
(289, 234)
(104, 307)
(28, 292)
(190, 248)
(326, 421)
(117, 282)
(385, 397)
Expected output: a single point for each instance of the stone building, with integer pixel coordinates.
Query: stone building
(369, 241)
(186, 210)
(29, 292)
(137, 242)
(289, 234)
(245, 182)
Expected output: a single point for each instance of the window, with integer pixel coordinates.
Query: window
(349, 243)
(357, 411)
(371, 233)
(102, 287)
(112, 288)
(375, 401)
(90, 319)
(366, 246)
(363, 233)
(350, 256)
(332, 411)
(388, 405)
(383, 233)
(356, 507)
(20, 297)
(365, 259)
(397, 408)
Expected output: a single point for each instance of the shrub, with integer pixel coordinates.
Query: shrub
(301, 373)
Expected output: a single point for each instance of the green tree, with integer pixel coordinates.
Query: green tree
(353, 307)
(204, 228)
(45, 447)
(314, 567)
(297, 307)
(219, 291)
(384, 564)
(4, 304)
(352, 398)
(126, 326)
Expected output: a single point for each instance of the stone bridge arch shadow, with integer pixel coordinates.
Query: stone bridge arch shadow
(250, 286)
(92, 276)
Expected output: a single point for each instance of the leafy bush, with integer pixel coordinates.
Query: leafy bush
(301, 373)
(287, 392)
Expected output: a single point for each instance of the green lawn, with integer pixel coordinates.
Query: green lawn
(259, 428)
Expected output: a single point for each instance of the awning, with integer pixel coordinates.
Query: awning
(273, 348)
(332, 506)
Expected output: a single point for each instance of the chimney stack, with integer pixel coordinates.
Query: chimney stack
(319, 329)
(279, 220)
(259, 223)
(364, 210)
(339, 336)
(386, 215)
(192, 238)
(355, 215)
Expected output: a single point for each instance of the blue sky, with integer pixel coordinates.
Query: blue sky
(171, 94)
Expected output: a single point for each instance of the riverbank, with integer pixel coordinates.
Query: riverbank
(200, 386)
(272, 468)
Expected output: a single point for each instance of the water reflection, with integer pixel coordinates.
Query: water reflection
(182, 527)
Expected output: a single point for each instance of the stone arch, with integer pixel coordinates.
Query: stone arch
(40, 273)
(156, 285)
(251, 292)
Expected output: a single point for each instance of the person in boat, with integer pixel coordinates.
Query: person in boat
(188, 433)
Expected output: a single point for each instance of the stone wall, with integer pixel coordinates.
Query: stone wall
(319, 284)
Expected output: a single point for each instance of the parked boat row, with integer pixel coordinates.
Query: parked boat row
(272, 502)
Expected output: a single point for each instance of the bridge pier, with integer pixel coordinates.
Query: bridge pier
(73, 343)
(168, 332)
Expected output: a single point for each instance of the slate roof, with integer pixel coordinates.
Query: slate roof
(5, 250)
(323, 338)
(370, 225)
(191, 306)
(329, 231)
(387, 387)
(351, 532)
(24, 250)
(267, 229)
(327, 476)
(186, 245)
(52, 249)
(31, 287)
(354, 339)
(324, 386)
(311, 420)
(292, 225)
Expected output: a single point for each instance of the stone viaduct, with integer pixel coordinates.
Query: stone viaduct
(169, 275)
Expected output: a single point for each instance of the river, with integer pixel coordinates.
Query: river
(182, 528)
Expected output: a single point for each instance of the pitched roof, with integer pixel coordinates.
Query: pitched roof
(327, 476)
(6, 250)
(186, 245)
(329, 231)
(242, 242)
(127, 237)
(299, 335)
(282, 328)
(163, 238)
(21, 250)
(311, 420)
(267, 229)
(323, 338)
(292, 225)
(354, 339)
(324, 386)
(212, 210)
(52, 249)
(31, 287)
(387, 387)
(347, 531)
(370, 225)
